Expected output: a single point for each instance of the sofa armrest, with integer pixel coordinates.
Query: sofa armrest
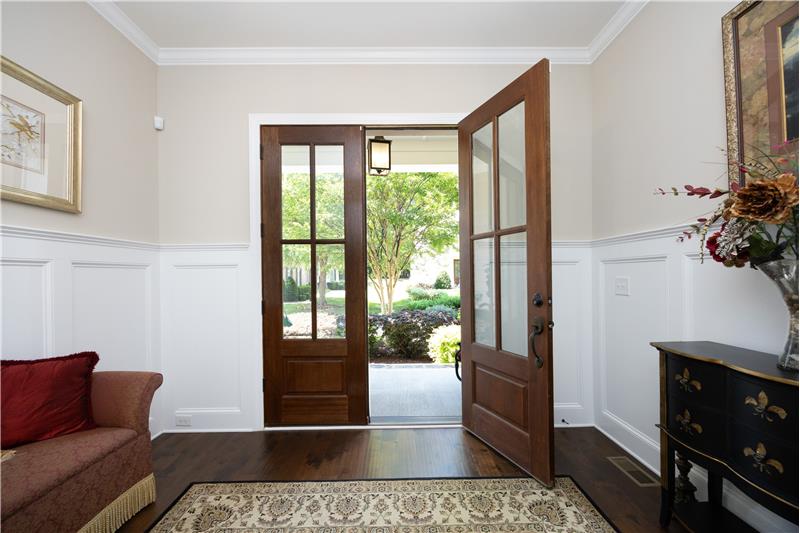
(122, 399)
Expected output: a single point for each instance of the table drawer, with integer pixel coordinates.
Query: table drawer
(702, 429)
(768, 407)
(695, 382)
(767, 462)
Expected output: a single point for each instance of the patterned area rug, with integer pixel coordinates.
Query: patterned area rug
(384, 506)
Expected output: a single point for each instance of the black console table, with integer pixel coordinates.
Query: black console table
(734, 413)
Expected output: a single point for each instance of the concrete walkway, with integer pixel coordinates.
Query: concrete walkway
(398, 393)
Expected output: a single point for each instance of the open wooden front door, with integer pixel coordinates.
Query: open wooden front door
(504, 168)
(314, 275)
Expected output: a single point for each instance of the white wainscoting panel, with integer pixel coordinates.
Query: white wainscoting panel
(207, 339)
(193, 313)
(754, 315)
(112, 313)
(65, 293)
(572, 347)
(27, 321)
(672, 297)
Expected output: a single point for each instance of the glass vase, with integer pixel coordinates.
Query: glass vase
(784, 274)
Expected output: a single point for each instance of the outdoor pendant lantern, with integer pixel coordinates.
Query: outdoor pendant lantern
(380, 156)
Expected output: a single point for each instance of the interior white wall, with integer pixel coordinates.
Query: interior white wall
(69, 44)
(658, 119)
(203, 168)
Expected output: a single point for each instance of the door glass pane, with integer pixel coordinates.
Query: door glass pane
(330, 290)
(483, 292)
(511, 146)
(296, 192)
(514, 293)
(482, 194)
(296, 290)
(329, 193)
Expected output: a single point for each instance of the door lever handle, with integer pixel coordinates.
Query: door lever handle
(457, 361)
(538, 329)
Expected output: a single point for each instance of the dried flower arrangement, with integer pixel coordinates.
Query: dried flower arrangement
(759, 219)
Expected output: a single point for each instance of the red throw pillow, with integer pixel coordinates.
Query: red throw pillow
(45, 398)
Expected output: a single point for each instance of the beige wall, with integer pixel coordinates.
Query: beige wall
(70, 45)
(658, 117)
(203, 152)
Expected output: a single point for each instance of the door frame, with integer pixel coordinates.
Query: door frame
(252, 391)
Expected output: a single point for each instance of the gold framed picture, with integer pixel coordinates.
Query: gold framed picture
(760, 53)
(40, 153)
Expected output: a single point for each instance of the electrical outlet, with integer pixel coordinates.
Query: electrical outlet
(183, 420)
(622, 286)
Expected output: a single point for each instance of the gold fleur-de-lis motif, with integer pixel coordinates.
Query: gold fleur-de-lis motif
(686, 424)
(760, 460)
(686, 382)
(762, 408)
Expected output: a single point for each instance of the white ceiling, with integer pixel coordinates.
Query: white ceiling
(396, 24)
(369, 32)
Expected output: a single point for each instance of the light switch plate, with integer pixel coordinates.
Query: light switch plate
(622, 286)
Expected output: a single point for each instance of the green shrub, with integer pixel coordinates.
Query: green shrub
(406, 333)
(290, 290)
(336, 285)
(303, 293)
(443, 343)
(452, 301)
(421, 293)
(439, 308)
(443, 281)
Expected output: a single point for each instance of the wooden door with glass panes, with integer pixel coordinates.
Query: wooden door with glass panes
(314, 275)
(504, 172)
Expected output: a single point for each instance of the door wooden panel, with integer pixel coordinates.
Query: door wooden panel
(312, 376)
(313, 191)
(504, 173)
(502, 395)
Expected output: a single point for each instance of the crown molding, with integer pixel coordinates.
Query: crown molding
(618, 22)
(128, 28)
(367, 55)
(371, 56)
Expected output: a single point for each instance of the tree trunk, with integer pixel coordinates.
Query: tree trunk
(390, 296)
(322, 286)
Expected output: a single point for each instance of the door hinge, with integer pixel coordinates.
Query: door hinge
(263, 385)
(262, 230)
(261, 152)
(263, 307)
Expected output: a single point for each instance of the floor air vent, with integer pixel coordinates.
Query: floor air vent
(634, 471)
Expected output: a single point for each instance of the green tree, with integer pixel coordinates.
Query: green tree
(408, 215)
(296, 215)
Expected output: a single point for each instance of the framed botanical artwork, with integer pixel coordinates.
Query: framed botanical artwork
(40, 152)
(760, 52)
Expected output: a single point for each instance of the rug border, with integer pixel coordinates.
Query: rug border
(193, 483)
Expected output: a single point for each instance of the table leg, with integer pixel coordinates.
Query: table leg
(668, 492)
(684, 489)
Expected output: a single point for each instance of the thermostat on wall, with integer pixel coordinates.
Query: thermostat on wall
(158, 123)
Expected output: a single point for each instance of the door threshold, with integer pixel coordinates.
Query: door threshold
(414, 420)
(366, 426)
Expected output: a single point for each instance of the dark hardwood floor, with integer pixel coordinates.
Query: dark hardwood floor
(182, 458)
